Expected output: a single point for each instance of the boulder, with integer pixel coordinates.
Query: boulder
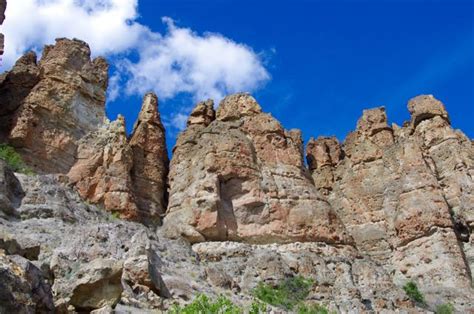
(11, 191)
(23, 288)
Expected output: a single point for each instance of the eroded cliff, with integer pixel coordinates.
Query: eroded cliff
(241, 207)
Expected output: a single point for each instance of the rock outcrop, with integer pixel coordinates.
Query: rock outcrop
(65, 104)
(85, 258)
(10, 190)
(126, 177)
(102, 171)
(53, 113)
(241, 176)
(22, 288)
(150, 161)
(387, 206)
(405, 194)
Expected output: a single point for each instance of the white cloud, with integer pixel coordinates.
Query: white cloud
(178, 61)
(109, 26)
(207, 66)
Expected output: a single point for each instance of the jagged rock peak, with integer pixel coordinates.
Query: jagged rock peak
(424, 107)
(242, 178)
(236, 106)
(66, 102)
(149, 111)
(373, 121)
(203, 113)
(29, 58)
(406, 193)
(150, 161)
(74, 55)
(126, 176)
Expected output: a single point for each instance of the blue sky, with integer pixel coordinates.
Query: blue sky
(330, 60)
(315, 65)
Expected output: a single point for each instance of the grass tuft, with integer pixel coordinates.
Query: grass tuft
(413, 293)
(287, 294)
(13, 159)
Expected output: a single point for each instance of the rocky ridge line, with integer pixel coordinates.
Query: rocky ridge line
(389, 205)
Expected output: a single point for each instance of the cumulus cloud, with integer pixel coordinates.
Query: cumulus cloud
(179, 61)
(109, 26)
(206, 66)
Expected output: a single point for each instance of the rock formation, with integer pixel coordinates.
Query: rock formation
(150, 161)
(405, 194)
(127, 177)
(66, 103)
(53, 113)
(241, 177)
(388, 206)
(102, 172)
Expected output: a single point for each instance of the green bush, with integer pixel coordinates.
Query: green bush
(203, 305)
(258, 307)
(413, 293)
(446, 308)
(287, 294)
(13, 159)
(312, 309)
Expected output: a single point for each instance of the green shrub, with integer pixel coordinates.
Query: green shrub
(287, 294)
(13, 159)
(312, 309)
(258, 307)
(203, 305)
(413, 293)
(115, 215)
(446, 308)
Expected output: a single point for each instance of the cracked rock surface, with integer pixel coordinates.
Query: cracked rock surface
(106, 224)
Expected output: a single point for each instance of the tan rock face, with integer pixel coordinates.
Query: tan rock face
(323, 154)
(150, 161)
(242, 177)
(405, 195)
(127, 177)
(66, 103)
(102, 172)
(53, 113)
(203, 113)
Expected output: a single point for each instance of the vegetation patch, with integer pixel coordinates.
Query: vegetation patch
(202, 304)
(446, 308)
(287, 294)
(413, 293)
(13, 159)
